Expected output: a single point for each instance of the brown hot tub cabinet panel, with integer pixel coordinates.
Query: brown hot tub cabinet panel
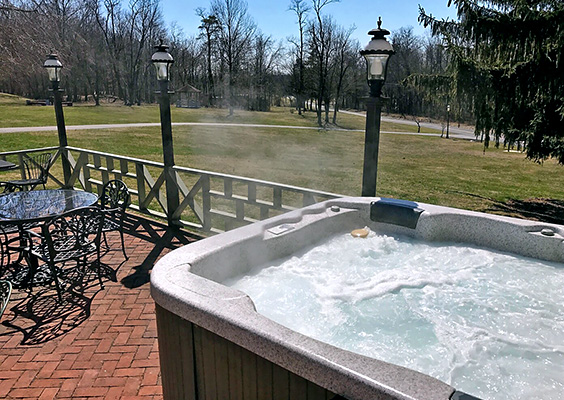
(198, 364)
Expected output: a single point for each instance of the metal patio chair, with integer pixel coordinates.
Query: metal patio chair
(70, 237)
(35, 172)
(114, 201)
(5, 230)
(5, 286)
(15, 244)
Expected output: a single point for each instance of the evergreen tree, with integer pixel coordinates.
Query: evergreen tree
(508, 54)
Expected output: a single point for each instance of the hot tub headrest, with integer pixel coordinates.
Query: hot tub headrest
(397, 212)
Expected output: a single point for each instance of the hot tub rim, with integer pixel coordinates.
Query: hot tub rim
(214, 317)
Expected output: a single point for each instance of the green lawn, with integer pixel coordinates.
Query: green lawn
(429, 169)
(14, 113)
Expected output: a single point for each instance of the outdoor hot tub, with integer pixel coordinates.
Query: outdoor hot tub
(214, 344)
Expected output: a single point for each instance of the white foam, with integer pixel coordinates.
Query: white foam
(488, 323)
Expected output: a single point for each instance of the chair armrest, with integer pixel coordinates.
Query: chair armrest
(33, 233)
(34, 237)
(8, 186)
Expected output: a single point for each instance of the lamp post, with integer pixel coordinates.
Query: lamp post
(448, 119)
(376, 53)
(53, 67)
(162, 60)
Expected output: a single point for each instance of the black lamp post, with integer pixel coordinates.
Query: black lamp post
(162, 60)
(53, 67)
(376, 53)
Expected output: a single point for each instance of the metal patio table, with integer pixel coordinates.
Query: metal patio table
(7, 165)
(29, 208)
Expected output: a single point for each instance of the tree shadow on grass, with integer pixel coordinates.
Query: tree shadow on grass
(537, 209)
(544, 210)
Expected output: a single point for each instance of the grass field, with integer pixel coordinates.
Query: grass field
(421, 168)
(14, 113)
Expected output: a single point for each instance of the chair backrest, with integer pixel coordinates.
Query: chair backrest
(73, 231)
(37, 167)
(5, 292)
(115, 195)
(5, 286)
(4, 255)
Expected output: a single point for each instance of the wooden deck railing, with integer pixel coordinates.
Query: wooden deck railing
(210, 202)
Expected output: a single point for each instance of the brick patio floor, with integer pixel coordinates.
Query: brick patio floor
(96, 344)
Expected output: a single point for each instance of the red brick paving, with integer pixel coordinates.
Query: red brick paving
(99, 344)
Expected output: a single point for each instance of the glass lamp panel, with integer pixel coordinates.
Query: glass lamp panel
(53, 73)
(376, 64)
(162, 70)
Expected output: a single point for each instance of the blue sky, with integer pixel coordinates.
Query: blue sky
(273, 18)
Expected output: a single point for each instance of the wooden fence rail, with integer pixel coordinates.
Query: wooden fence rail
(210, 202)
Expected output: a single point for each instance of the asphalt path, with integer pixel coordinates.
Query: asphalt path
(454, 132)
(459, 133)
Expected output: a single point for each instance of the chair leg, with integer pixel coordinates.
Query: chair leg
(33, 265)
(20, 249)
(123, 244)
(99, 268)
(56, 279)
(105, 240)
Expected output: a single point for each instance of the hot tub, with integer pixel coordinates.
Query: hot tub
(214, 344)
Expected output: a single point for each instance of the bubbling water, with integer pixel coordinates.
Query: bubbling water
(488, 323)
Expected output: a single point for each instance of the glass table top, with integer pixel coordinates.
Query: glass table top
(36, 205)
(6, 165)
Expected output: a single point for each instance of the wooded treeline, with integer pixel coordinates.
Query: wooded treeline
(106, 45)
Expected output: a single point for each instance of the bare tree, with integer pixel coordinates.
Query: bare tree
(210, 28)
(188, 51)
(300, 9)
(109, 18)
(235, 38)
(346, 53)
(28, 31)
(407, 61)
(142, 19)
(320, 38)
(264, 62)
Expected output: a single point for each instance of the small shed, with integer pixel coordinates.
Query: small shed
(188, 97)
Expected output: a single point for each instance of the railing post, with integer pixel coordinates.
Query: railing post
(206, 203)
(22, 165)
(141, 195)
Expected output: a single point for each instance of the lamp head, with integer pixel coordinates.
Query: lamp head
(53, 67)
(162, 60)
(377, 53)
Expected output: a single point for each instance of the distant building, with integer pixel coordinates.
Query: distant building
(188, 97)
